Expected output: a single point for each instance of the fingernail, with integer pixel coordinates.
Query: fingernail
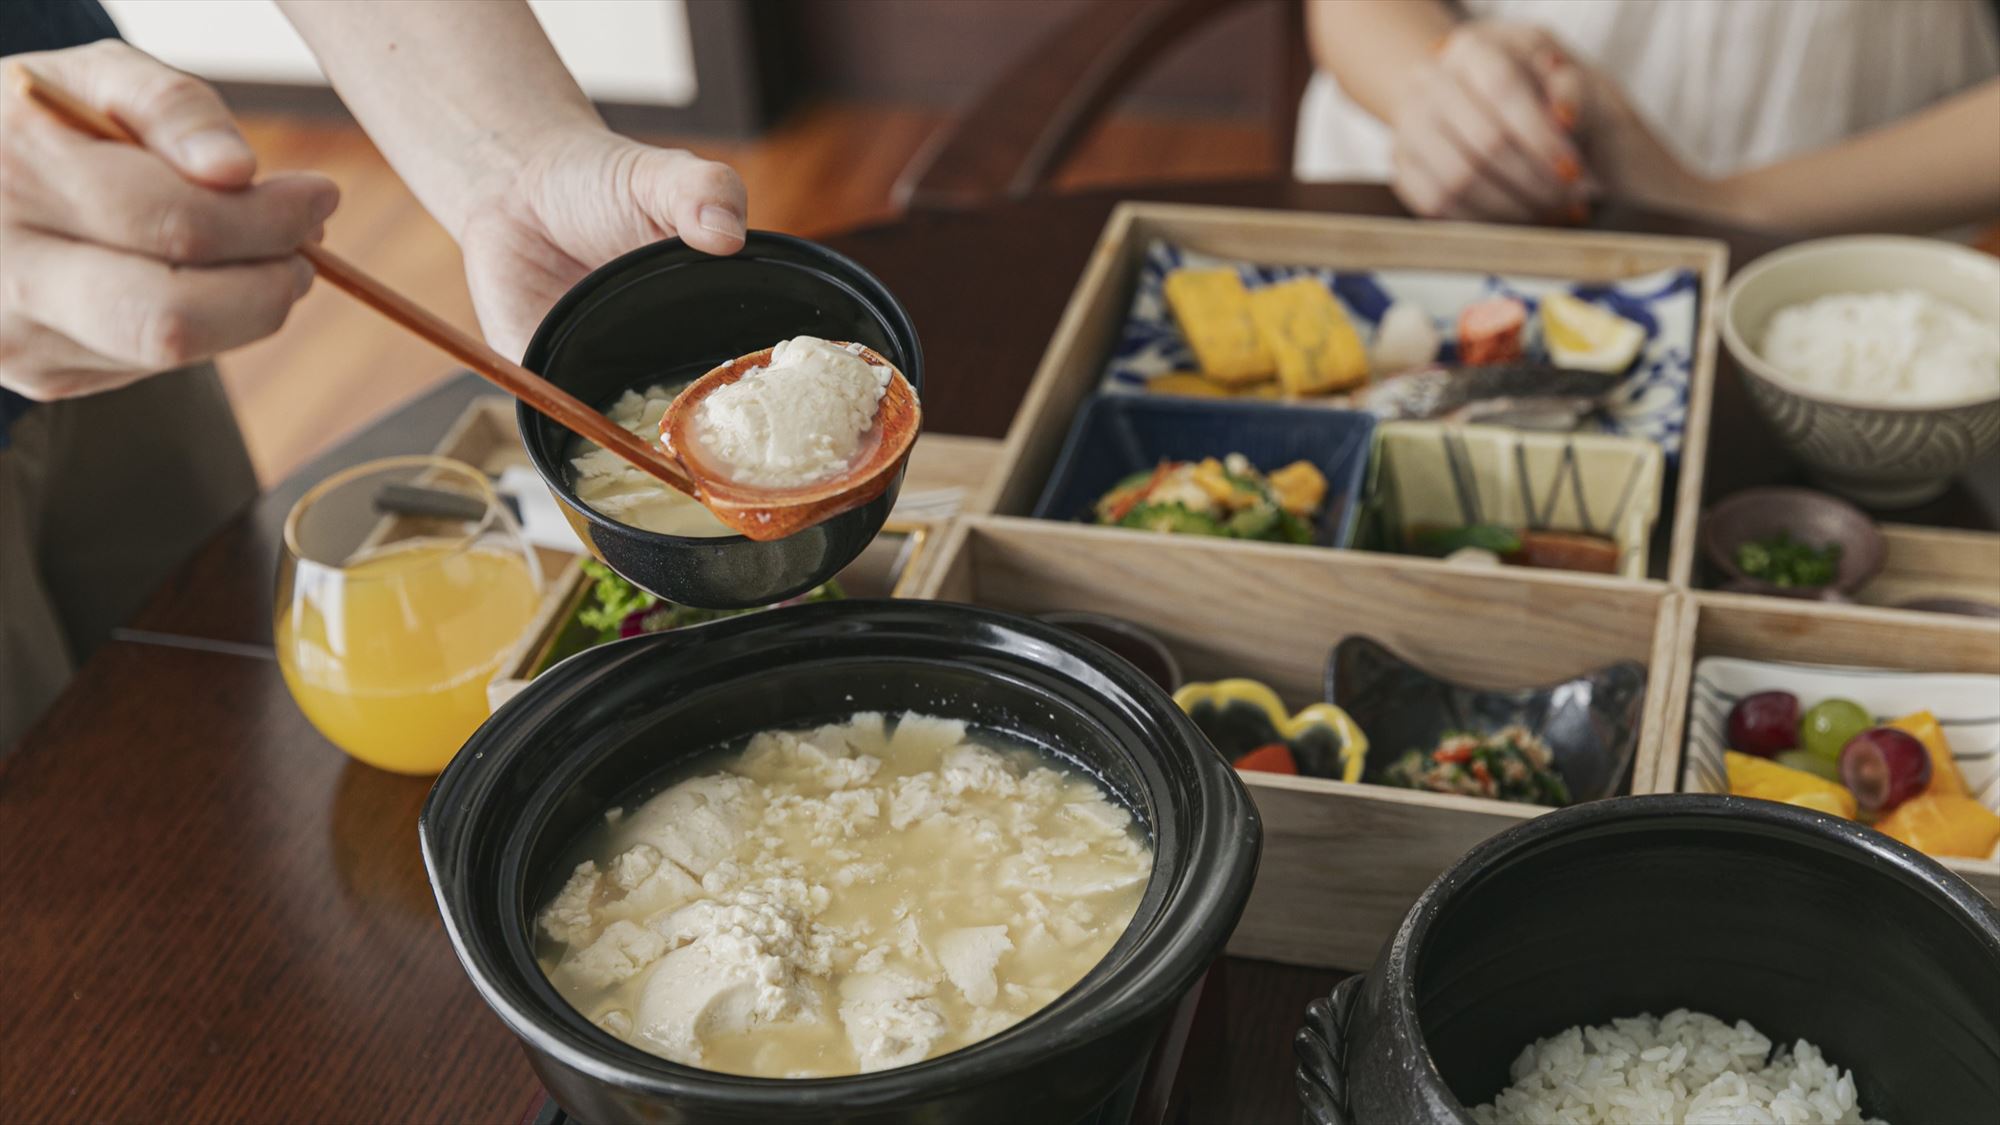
(1567, 169)
(1565, 115)
(212, 150)
(717, 219)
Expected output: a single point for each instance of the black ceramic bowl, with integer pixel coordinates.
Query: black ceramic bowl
(667, 313)
(1808, 926)
(617, 719)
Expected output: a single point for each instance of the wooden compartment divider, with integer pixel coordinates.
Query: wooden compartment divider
(1342, 862)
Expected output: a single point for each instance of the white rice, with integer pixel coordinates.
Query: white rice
(1901, 348)
(1686, 1069)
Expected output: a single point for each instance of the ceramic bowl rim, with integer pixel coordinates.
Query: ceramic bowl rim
(1748, 359)
(1229, 841)
(1401, 961)
(1877, 549)
(554, 322)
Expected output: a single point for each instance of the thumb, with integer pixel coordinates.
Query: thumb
(701, 200)
(176, 115)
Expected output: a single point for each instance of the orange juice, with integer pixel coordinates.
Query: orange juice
(389, 656)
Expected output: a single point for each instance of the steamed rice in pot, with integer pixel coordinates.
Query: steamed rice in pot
(1687, 1068)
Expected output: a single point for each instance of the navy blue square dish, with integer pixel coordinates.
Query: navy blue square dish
(1115, 436)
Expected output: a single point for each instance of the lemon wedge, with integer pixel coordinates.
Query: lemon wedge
(1583, 336)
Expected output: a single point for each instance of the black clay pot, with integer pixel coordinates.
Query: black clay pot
(667, 313)
(1807, 926)
(590, 732)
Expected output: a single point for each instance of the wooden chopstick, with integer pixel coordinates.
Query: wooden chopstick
(563, 408)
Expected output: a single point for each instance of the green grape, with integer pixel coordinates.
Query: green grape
(1818, 767)
(1829, 724)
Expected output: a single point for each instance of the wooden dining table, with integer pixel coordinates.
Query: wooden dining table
(214, 914)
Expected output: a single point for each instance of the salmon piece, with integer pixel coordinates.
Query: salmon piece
(1489, 331)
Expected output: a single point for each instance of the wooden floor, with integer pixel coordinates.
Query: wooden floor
(826, 168)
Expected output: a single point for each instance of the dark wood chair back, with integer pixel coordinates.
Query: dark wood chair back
(1017, 134)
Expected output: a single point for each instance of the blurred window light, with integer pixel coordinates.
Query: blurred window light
(635, 51)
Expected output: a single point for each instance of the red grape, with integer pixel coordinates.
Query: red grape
(1764, 723)
(1884, 767)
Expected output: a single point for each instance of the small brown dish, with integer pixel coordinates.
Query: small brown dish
(1964, 607)
(1809, 517)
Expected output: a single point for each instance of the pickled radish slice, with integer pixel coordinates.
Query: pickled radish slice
(1884, 767)
(1764, 724)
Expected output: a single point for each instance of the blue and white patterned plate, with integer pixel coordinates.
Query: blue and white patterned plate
(1650, 402)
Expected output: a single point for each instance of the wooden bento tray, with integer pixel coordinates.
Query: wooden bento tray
(1343, 862)
(1073, 366)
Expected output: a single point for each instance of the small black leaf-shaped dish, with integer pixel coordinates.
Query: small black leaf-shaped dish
(1244, 718)
(1590, 722)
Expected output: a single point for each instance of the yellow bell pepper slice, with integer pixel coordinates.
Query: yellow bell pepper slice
(1353, 744)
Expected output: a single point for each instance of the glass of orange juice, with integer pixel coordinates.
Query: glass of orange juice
(401, 586)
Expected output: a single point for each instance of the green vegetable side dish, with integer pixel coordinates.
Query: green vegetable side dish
(616, 608)
(1510, 764)
(1227, 498)
(611, 601)
(1784, 561)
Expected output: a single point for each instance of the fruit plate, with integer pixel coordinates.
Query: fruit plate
(1966, 705)
(1651, 400)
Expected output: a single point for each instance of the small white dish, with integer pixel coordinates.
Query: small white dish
(1967, 706)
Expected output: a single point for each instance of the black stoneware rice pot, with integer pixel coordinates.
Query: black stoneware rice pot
(1808, 926)
(667, 314)
(620, 719)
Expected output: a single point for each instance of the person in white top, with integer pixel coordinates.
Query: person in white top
(1810, 115)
